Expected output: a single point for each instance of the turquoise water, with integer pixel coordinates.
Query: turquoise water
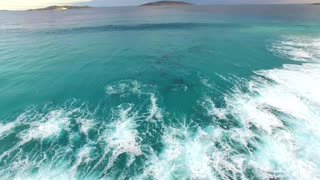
(199, 92)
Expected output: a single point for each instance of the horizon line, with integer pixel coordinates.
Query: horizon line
(193, 4)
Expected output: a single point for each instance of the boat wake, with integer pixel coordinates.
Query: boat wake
(268, 128)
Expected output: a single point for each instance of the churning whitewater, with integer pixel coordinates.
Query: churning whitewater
(267, 127)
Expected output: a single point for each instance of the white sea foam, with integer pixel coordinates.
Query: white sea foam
(45, 174)
(117, 136)
(278, 135)
(85, 125)
(50, 125)
(212, 110)
(26, 155)
(6, 128)
(123, 135)
(83, 157)
(124, 88)
(294, 94)
(154, 111)
(298, 48)
(120, 136)
(184, 156)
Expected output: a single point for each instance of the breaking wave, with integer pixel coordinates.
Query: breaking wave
(267, 128)
(75, 140)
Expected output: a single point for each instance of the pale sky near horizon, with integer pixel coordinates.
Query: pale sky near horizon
(28, 4)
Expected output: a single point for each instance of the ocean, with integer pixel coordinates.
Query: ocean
(192, 92)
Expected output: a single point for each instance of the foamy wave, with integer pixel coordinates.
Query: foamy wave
(50, 125)
(128, 87)
(266, 128)
(6, 128)
(272, 130)
(154, 111)
(284, 110)
(184, 156)
(298, 48)
(121, 136)
(70, 140)
(37, 145)
(297, 79)
(212, 110)
(85, 125)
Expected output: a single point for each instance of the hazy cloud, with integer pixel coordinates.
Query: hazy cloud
(28, 4)
(137, 2)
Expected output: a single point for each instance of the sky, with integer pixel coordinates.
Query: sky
(29, 4)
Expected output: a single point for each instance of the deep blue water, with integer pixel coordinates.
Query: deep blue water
(196, 92)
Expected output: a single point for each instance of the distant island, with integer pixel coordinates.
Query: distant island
(315, 4)
(167, 3)
(60, 8)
